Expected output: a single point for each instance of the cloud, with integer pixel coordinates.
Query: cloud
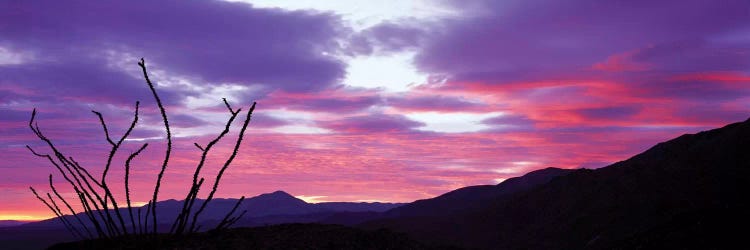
(509, 123)
(263, 120)
(214, 41)
(336, 100)
(451, 122)
(372, 123)
(587, 63)
(186, 121)
(608, 113)
(435, 103)
(86, 80)
(537, 39)
(387, 37)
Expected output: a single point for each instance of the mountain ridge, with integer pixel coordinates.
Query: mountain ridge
(466, 198)
(676, 194)
(277, 203)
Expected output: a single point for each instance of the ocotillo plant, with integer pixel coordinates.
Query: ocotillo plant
(95, 195)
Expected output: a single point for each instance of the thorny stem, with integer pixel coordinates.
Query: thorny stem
(73, 212)
(225, 222)
(192, 195)
(142, 63)
(224, 168)
(81, 180)
(127, 184)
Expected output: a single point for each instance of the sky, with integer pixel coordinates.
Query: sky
(361, 100)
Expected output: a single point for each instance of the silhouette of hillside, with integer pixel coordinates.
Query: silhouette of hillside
(270, 208)
(455, 202)
(468, 198)
(11, 223)
(265, 209)
(287, 236)
(686, 193)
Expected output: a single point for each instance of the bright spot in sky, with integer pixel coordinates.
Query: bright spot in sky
(207, 97)
(524, 163)
(8, 57)
(371, 201)
(391, 73)
(301, 122)
(144, 138)
(22, 217)
(456, 122)
(516, 170)
(311, 198)
(362, 13)
(139, 203)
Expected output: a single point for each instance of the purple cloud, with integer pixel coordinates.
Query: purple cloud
(505, 41)
(373, 123)
(691, 89)
(263, 120)
(510, 120)
(609, 113)
(387, 37)
(691, 56)
(709, 114)
(214, 41)
(186, 121)
(86, 79)
(506, 123)
(434, 103)
(339, 100)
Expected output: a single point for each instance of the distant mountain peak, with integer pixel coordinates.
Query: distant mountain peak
(535, 177)
(281, 192)
(278, 194)
(547, 171)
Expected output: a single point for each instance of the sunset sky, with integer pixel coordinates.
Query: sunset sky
(362, 100)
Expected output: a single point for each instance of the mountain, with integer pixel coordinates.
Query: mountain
(686, 193)
(468, 198)
(265, 209)
(11, 223)
(278, 204)
(357, 206)
(458, 201)
(287, 236)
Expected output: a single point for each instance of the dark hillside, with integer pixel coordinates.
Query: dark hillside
(286, 236)
(688, 192)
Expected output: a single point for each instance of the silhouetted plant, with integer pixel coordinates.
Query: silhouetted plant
(95, 196)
